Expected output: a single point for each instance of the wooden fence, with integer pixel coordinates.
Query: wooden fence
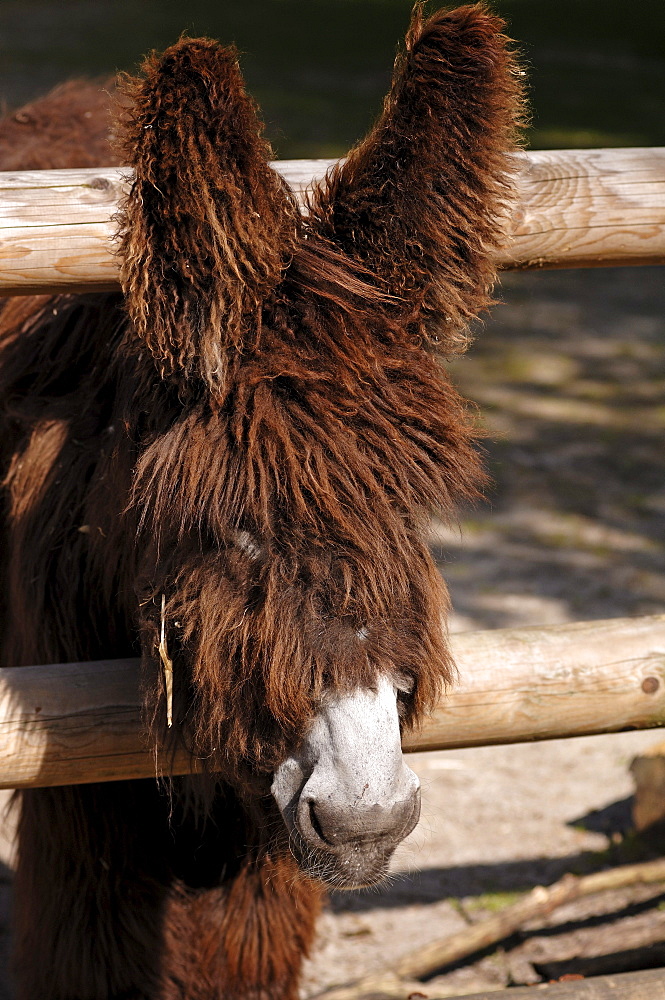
(577, 208)
(81, 722)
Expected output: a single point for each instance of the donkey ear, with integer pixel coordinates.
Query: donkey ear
(422, 201)
(207, 227)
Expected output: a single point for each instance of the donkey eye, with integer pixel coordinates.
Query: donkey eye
(403, 684)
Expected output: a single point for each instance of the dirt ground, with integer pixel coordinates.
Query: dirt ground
(569, 376)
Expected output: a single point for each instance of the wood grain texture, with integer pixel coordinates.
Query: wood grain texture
(76, 723)
(542, 683)
(57, 230)
(589, 208)
(577, 208)
(647, 985)
(648, 772)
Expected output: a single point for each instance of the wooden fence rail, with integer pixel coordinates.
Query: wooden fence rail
(80, 722)
(577, 208)
(647, 985)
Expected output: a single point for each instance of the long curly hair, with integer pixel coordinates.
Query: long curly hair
(238, 458)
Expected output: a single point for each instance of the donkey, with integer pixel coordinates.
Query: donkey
(228, 469)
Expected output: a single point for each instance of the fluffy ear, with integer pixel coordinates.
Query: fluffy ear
(422, 201)
(207, 226)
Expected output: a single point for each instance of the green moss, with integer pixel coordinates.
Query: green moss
(492, 902)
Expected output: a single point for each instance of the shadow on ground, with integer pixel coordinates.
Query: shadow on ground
(431, 885)
(569, 377)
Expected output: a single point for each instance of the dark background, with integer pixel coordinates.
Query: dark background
(319, 68)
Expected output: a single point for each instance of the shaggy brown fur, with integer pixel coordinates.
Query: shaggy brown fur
(69, 129)
(257, 434)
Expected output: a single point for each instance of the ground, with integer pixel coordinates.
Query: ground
(569, 377)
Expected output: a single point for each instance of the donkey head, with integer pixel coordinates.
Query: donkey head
(301, 430)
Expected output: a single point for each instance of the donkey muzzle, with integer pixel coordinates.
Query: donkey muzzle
(347, 796)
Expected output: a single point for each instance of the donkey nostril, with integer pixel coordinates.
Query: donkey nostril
(316, 826)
